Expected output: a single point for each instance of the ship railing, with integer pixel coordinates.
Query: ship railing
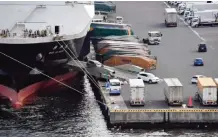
(84, 2)
(25, 34)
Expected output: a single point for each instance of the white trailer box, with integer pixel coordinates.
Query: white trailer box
(170, 17)
(207, 91)
(173, 91)
(205, 6)
(137, 92)
(205, 17)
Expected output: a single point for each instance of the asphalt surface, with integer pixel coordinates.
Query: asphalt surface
(177, 50)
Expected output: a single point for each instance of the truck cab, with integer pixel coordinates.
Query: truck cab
(195, 21)
(187, 13)
(114, 86)
(181, 8)
(154, 37)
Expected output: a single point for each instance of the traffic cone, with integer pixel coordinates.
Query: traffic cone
(190, 104)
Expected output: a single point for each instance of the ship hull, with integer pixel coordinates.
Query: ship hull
(28, 94)
(20, 83)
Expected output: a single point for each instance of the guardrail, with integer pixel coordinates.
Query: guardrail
(164, 110)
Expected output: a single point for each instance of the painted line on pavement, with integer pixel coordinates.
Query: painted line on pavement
(195, 32)
(211, 47)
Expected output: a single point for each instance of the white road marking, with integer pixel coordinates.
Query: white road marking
(195, 32)
(211, 47)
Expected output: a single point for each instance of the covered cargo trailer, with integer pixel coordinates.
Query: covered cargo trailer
(204, 6)
(102, 29)
(173, 91)
(170, 17)
(137, 92)
(207, 91)
(143, 62)
(208, 13)
(130, 68)
(208, 17)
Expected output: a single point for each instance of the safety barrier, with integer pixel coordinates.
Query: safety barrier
(164, 110)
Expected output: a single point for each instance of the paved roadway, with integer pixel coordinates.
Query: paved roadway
(177, 50)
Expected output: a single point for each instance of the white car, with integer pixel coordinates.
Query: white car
(148, 77)
(194, 79)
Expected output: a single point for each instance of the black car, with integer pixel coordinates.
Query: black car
(202, 47)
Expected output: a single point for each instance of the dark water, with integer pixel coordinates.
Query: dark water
(71, 116)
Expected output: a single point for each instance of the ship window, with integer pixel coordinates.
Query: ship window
(57, 29)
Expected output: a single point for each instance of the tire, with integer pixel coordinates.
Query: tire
(149, 81)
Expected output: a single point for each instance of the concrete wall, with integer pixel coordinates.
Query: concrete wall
(136, 117)
(201, 117)
(160, 117)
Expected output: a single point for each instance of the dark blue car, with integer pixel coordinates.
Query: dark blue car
(202, 47)
(198, 62)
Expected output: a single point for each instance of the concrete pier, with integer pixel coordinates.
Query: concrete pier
(119, 112)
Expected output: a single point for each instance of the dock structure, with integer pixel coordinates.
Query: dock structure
(118, 111)
(97, 71)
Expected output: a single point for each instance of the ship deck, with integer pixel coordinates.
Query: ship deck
(28, 21)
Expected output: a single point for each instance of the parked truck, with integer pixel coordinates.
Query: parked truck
(209, 17)
(216, 81)
(170, 17)
(173, 91)
(206, 13)
(137, 92)
(207, 91)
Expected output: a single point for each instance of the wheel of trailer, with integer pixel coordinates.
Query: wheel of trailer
(149, 81)
(196, 97)
(200, 100)
(166, 99)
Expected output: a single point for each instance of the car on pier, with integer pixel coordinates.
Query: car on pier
(148, 77)
(194, 79)
(198, 62)
(114, 86)
(202, 47)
